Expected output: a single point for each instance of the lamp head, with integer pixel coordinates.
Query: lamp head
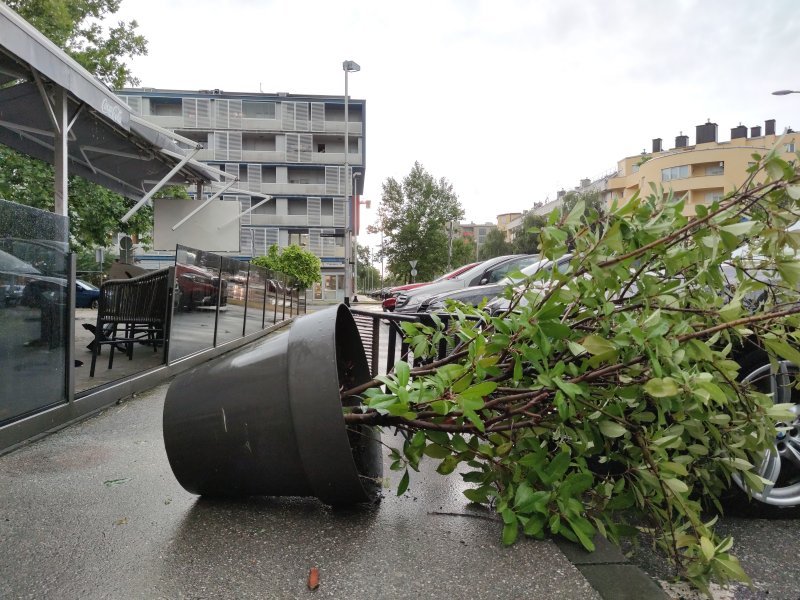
(784, 92)
(351, 66)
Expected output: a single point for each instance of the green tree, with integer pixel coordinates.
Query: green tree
(298, 266)
(76, 26)
(527, 239)
(495, 244)
(464, 251)
(413, 216)
(368, 276)
(593, 201)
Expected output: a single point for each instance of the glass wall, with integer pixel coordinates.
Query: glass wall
(34, 310)
(218, 299)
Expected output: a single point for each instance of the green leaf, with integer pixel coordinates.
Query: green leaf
(676, 485)
(401, 489)
(661, 387)
(707, 546)
(435, 451)
(510, 532)
(611, 429)
(597, 345)
(403, 371)
(574, 216)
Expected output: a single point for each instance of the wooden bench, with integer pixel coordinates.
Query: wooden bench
(131, 311)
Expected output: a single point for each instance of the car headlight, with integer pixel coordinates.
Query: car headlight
(402, 300)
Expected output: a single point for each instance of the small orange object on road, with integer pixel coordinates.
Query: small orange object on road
(313, 578)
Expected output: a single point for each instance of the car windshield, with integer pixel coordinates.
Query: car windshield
(527, 271)
(86, 285)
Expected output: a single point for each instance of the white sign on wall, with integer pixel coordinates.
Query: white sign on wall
(201, 231)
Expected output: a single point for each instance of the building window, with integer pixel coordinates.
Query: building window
(297, 206)
(789, 147)
(715, 196)
(681, 172)
(326, 208)
(298, 238)
(717, 169)
(258, 110)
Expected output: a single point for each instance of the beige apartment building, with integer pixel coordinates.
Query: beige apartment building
(705, 171)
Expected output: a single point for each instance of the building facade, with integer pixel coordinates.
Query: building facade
(286, 148)
(702, 172)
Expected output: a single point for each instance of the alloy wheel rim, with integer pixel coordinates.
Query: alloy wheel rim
(781, 464)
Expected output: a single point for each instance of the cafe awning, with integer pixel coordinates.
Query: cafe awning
(58, 112)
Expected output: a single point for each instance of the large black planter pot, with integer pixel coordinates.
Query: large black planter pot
(268, 421)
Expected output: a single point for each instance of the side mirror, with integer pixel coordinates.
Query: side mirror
(484, 280)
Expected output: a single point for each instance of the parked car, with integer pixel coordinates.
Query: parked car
(490, 271)
(476, 294)
(86, 294)
(198, 287)
(11, 294)
(391, 299)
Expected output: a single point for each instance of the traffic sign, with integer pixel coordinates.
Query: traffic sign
(413, 272)
(413, 264)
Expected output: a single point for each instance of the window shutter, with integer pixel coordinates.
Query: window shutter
(189, 110)
(259, 241)
(134, 102)
(254, 178)
(235, 114)
(232, 169)
(314, 211)
(270, 237)
(244, 204)
(301, 116)
(292, 147)
(328, 243)
(246, 241)
(332, 180)
(221, 145)
(339, 212)
(287, 116)
(221, 116)
(317, 116)
(315, 242)
(234, 145)
(203, 113)
(305, 141)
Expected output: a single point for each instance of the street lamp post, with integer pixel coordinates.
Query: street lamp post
(357, 221)
(348, 66)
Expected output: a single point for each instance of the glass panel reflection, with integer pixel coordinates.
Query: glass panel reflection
(195, 298)
(34, 308)
(256, 316)
(230, 323)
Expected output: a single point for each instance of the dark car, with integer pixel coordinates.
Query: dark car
(86, 294)
(487, 272)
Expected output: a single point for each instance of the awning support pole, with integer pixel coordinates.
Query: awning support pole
(202, 206)
(240, 215)
(160, 184)
(60, 153)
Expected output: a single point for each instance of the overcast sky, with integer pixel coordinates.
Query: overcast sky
(510, 101)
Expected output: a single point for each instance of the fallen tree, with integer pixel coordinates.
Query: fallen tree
(613, 391)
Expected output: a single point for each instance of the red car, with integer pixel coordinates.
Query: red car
(388, 303)
(198, 287)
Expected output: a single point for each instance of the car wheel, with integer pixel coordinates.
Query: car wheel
(95, 304)
(781, 464)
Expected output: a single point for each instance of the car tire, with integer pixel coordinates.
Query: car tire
(782, 464)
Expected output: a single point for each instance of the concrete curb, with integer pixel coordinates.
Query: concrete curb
(610, 573)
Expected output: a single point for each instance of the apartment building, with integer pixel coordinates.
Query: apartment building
(702, 172)
(505, 221)
(286, 148)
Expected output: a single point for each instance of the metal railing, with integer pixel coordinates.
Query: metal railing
(369, 326)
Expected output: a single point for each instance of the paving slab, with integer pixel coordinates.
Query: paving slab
(94, 511)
